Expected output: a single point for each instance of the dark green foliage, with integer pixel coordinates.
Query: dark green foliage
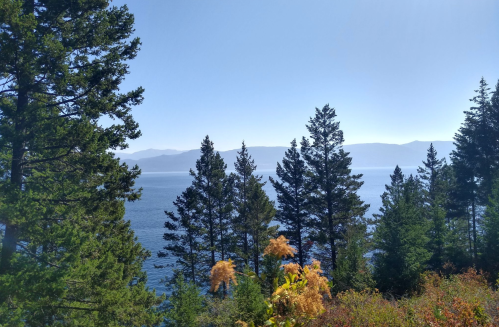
(67, 255)
(434, 192)
(334, 201)
(210, 182)
(219, 313)
(184, 304)
(473, 161)
(353, 270)
(292, 196)
(400, 237)
(272, 274)
(490, 255)
(245, 166)
(260, 213)
(199, 235)
(250, 301)
(184, 239)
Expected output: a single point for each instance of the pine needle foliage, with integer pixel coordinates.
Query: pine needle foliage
(184, 304)
(68, 257)
(400, 237)
(334, 200)
(184, 239)
(292, 197)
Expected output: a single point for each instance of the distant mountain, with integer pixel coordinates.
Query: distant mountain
(363, 155)
(149, 153)
(390, 155)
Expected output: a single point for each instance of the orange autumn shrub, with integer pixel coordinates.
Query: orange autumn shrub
(280, 248)
(301, 298)
(222, 271)
(291, 268)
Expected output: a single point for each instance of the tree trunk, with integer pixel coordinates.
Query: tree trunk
(16, 178)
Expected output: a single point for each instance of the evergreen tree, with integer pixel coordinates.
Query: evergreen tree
(224, 202)
(184, 239)
(353, 270)
(260, 213)
(184, 304)
(250, 302)
(245, 166)
(400, 236)
(490, 255)
(334, 201)
(473, 160)
(434, 198)
(208, 183)
(67, 255)
(292, 197)
(429, 174)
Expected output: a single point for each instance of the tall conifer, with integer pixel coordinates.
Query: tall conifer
(490, 255)
(184, 237)
(260, 213)
(292, 197)
(400, 237)
(208, 183)
(473, 161)
(245, 166)
(435, 199)
(335, 203)
(67, 254)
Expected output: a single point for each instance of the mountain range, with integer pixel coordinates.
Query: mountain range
(149, 153)
(363, 155)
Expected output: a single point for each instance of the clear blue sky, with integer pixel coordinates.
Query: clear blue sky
(396, 71)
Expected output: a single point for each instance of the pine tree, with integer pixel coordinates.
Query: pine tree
(353, 270)
(490, 255)
(334, 201)
(292, 197)
(67, 255)
(400, 236)
(245, 166)
(224, 203)
(250, 301)
(208, 183)
(184, 304)
(473, 161)
(260, 213)
(184, 239)
(434, 198)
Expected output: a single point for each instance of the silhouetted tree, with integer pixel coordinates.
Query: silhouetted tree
(334, 201)
(260, 213)
(434, 201)
(209, 179)
(184, 238)
(245, 166)
(473, 161)
(293, 203)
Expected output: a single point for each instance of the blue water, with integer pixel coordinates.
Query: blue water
(161, 189)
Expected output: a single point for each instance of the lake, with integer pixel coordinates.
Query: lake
(161, 189)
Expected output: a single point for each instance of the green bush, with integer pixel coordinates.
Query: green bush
(184, 304)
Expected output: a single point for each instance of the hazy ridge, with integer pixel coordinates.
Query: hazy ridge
(363, 155)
